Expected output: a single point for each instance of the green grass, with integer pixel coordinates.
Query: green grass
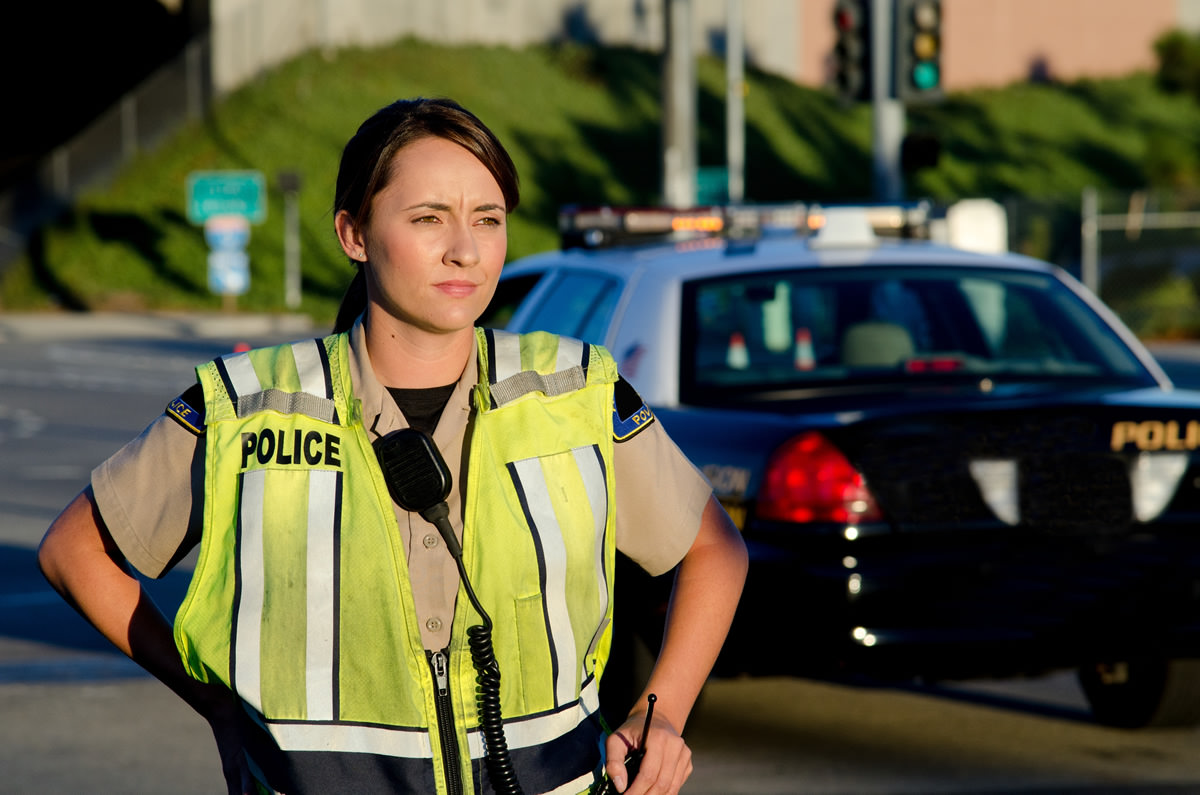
(582, 125)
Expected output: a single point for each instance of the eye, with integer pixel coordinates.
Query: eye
(491, 221)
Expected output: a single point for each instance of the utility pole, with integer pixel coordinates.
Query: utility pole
(679, 108)
(735, 106)
(887, 111)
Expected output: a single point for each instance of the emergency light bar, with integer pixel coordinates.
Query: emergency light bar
(606, 226)
(600, 227)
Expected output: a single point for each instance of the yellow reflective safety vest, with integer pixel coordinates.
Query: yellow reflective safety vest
(301, 603)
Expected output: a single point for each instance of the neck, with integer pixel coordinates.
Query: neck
(409, 358)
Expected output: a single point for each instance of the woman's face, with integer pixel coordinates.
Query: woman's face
(436, 239)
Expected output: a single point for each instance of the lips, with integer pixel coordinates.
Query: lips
(457, 289)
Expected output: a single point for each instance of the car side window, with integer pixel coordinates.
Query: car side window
(578, 304)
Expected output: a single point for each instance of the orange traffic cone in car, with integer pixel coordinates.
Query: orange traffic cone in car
(804, 350)
(737, 357)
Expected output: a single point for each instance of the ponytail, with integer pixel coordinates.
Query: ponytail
(354, 302)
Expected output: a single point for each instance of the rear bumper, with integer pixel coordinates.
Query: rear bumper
(962, 605)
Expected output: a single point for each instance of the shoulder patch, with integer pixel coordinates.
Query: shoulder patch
(182, 409)
(630, 412)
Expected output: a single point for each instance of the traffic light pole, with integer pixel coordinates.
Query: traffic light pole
(887, 111)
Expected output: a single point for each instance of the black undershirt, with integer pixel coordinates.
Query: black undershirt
(422, 407)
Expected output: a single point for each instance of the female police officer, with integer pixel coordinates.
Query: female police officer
(324, 636)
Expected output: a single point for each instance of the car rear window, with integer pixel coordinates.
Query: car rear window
(786, 329)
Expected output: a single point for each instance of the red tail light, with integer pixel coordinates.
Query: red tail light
(809, 480)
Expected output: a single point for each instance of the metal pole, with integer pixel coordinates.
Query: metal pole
(195, 81)
(735, 105)
(888, 112)
(129, 130)
(679, 112)
(1089, 233)
(289, 183)
(291, 250)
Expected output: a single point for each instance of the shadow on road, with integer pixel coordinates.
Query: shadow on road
(43, 639)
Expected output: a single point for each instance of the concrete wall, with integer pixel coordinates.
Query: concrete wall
(252, 35)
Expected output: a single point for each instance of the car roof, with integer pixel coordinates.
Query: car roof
(713, 256)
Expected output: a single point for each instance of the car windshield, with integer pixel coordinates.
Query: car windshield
(787, 330)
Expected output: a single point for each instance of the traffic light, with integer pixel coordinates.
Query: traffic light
(918, 48)
(852, 50)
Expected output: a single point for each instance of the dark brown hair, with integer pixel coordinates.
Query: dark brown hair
(366, 167)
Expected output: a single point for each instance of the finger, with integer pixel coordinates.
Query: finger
(665, 767)
(649, 777)
(615, 750)
(683, 770)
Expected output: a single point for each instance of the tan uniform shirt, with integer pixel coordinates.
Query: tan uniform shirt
(150, 494)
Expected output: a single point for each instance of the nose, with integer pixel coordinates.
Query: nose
(461, 248)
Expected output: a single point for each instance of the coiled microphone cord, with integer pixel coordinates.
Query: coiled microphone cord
(418, 480)
(487, 695)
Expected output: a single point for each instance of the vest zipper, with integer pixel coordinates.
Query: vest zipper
(447, 737)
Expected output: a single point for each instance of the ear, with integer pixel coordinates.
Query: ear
(350, 236)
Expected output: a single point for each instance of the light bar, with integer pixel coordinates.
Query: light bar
(602, 226)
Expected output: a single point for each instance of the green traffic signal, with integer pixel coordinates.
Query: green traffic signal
(925, 76)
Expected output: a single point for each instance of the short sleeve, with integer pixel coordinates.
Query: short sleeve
(660, 496)
(145, 494)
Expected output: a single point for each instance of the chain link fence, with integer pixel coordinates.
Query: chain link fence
(1140, 251)
(179, 92)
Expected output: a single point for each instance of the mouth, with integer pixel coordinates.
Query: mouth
(457, 289)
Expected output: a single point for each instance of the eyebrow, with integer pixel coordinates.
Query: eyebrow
(446, 208)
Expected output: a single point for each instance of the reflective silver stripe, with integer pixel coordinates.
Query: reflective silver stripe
(511, 381)
(528, 381)
(506, 354)
(404, 743)
(318, 408)
(320, 647)
(313, 400)
(242, 377)
(311, 367)
(592, 471)
(570, 354)
(539, 730)
(415, 743)
(247, 648)
(554, 553)
(580, 784)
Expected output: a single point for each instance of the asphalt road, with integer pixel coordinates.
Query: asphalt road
(77, 717)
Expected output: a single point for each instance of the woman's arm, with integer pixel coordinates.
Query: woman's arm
(708, 585)
(80, 560)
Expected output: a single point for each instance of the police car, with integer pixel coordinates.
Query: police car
(946, 463)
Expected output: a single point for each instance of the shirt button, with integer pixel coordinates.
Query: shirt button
(430, 541)
(433, 625)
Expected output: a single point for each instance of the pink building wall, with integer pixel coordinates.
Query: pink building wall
(996, 42)
(988, 43)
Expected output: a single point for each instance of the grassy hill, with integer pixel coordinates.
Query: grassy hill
(583, 125)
